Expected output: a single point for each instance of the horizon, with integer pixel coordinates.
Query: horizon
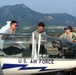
(47, 6)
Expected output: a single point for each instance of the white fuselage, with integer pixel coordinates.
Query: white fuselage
(31, 66)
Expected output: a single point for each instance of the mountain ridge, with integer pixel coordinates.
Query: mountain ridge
(26, 16)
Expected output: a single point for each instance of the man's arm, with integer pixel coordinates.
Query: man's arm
(45, 38)
(7, 34)
(4, 37)
(74, 34)
(61, 37)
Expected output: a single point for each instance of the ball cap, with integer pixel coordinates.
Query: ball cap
(68, 27)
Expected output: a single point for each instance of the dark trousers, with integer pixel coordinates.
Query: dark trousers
(42, 49)
(12, 50)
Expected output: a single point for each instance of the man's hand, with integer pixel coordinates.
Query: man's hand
(56, 43)
(74, 40)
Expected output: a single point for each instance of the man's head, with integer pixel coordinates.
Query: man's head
(41, 27)
(68, 29)
(13, 25)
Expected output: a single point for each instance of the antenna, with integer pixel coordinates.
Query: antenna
(39, 44)
(34, 50)
(32, 45)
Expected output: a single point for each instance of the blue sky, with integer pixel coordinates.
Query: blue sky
(46, 6)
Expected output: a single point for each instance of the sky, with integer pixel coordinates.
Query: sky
(46, 6)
